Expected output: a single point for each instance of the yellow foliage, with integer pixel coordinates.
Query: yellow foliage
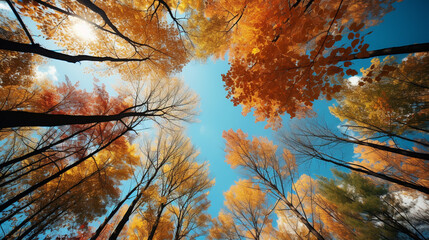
(247, 213)
(141, 224)
(391, 97)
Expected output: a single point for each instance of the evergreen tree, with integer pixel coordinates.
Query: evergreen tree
(370, 210)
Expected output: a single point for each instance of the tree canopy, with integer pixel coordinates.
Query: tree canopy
(284, 53)
(112, 160)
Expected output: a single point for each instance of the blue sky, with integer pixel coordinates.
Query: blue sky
(408, 24)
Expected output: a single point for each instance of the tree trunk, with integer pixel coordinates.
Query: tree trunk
(17, 210)
(412, 48)
(156, 223)
(29, 218)
(113, 213)
(37, 49)
(126, 217)
(377, 175)
(39, 166)
(177, 233)
(41, 227)
(51, 202)
(302, 219)
(33, 226)
(10, 119)
(130, 210)
(404, 152)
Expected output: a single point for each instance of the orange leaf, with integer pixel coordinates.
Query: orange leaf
(355, 42)
(351, 72)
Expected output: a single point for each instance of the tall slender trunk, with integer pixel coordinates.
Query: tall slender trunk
(37, 49)
(43, 227)
(126, 217)
(17, 210)
(302, 219)
(131, 208)
(404, 152)
(156, 223)
(33, 226)
(361, 169)
(40, 166)
(295, 211)
(113, 213)
(412, 48)
(29, 218)
(178, 228)
(40, 225)
(10, 119)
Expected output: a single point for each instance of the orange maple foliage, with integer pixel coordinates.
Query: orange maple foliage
(283, 54)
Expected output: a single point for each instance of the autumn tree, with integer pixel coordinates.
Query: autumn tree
(392, 103)
(316, 141)
(63, 98)
(74, 183)
(142, 223)
(305, 197)
(67, 105)
(258, 158)
(166, 98)
(168, 168)
(68, 172)
(384, 115)
(155, 101)
(176, 223)
(131, 32)
(350, 206)
(247, 214)
(370, 210)
(35, 168)
(284, 53)
(176, 180)
(85, 232)
(78, 195)
(189, 209)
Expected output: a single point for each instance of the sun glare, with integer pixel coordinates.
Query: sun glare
(84, 31)
(354, 81)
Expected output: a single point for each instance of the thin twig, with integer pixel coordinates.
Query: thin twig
(20, 21)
